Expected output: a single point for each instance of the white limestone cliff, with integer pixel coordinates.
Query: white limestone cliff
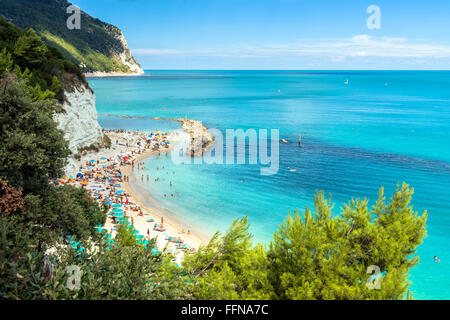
(79, 121)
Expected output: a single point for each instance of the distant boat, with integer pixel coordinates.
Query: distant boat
(346, 82)
(283, 141)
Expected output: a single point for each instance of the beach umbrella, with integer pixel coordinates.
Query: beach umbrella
(119, 191)
(103, 158)
(109, 202)
(118, 215)
(84, 183)
(79, 175)
(139, 236)
(117, 205)
(117, 210)
(92, 161)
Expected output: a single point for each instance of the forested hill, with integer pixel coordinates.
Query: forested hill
(97, 46)
(44, 67)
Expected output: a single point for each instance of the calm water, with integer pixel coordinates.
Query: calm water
(380, 129)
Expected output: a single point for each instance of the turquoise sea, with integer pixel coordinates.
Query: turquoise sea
(380, 129)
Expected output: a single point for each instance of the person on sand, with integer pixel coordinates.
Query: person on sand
(142, 178)
(148, 178)
(162, 220)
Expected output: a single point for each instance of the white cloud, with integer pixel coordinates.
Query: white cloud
(336, 49)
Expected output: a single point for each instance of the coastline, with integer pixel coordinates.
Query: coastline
(125, 145)
(170, 219)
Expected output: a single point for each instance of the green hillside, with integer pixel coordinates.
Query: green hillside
(95, 47)
(43, 66)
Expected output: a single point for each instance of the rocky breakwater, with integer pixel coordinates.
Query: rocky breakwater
(201, 138)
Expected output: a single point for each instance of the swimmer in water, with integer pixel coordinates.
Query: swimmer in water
(436, 259)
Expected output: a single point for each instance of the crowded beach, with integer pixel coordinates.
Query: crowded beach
(105, 176)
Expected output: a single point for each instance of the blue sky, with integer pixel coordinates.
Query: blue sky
(280, 34)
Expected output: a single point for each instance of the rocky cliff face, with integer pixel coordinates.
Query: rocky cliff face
(125, 56)
(79, 120)
(201, 138)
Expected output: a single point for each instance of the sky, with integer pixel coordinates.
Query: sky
(282, 34)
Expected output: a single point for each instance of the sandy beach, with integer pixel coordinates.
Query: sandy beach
(127, 151)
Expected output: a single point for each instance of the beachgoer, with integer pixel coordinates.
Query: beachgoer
(436, 259)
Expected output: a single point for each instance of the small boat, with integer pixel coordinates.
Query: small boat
(284, 141)
(346, 82)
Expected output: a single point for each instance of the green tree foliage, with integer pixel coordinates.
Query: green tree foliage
(229, 267)
(45, 67)
(34, 214)
(33, 151)
(323, 256)
(64, 210)
(29, 49)
(124, 270)
(124, 237)
(31, 225)
(6, 62)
